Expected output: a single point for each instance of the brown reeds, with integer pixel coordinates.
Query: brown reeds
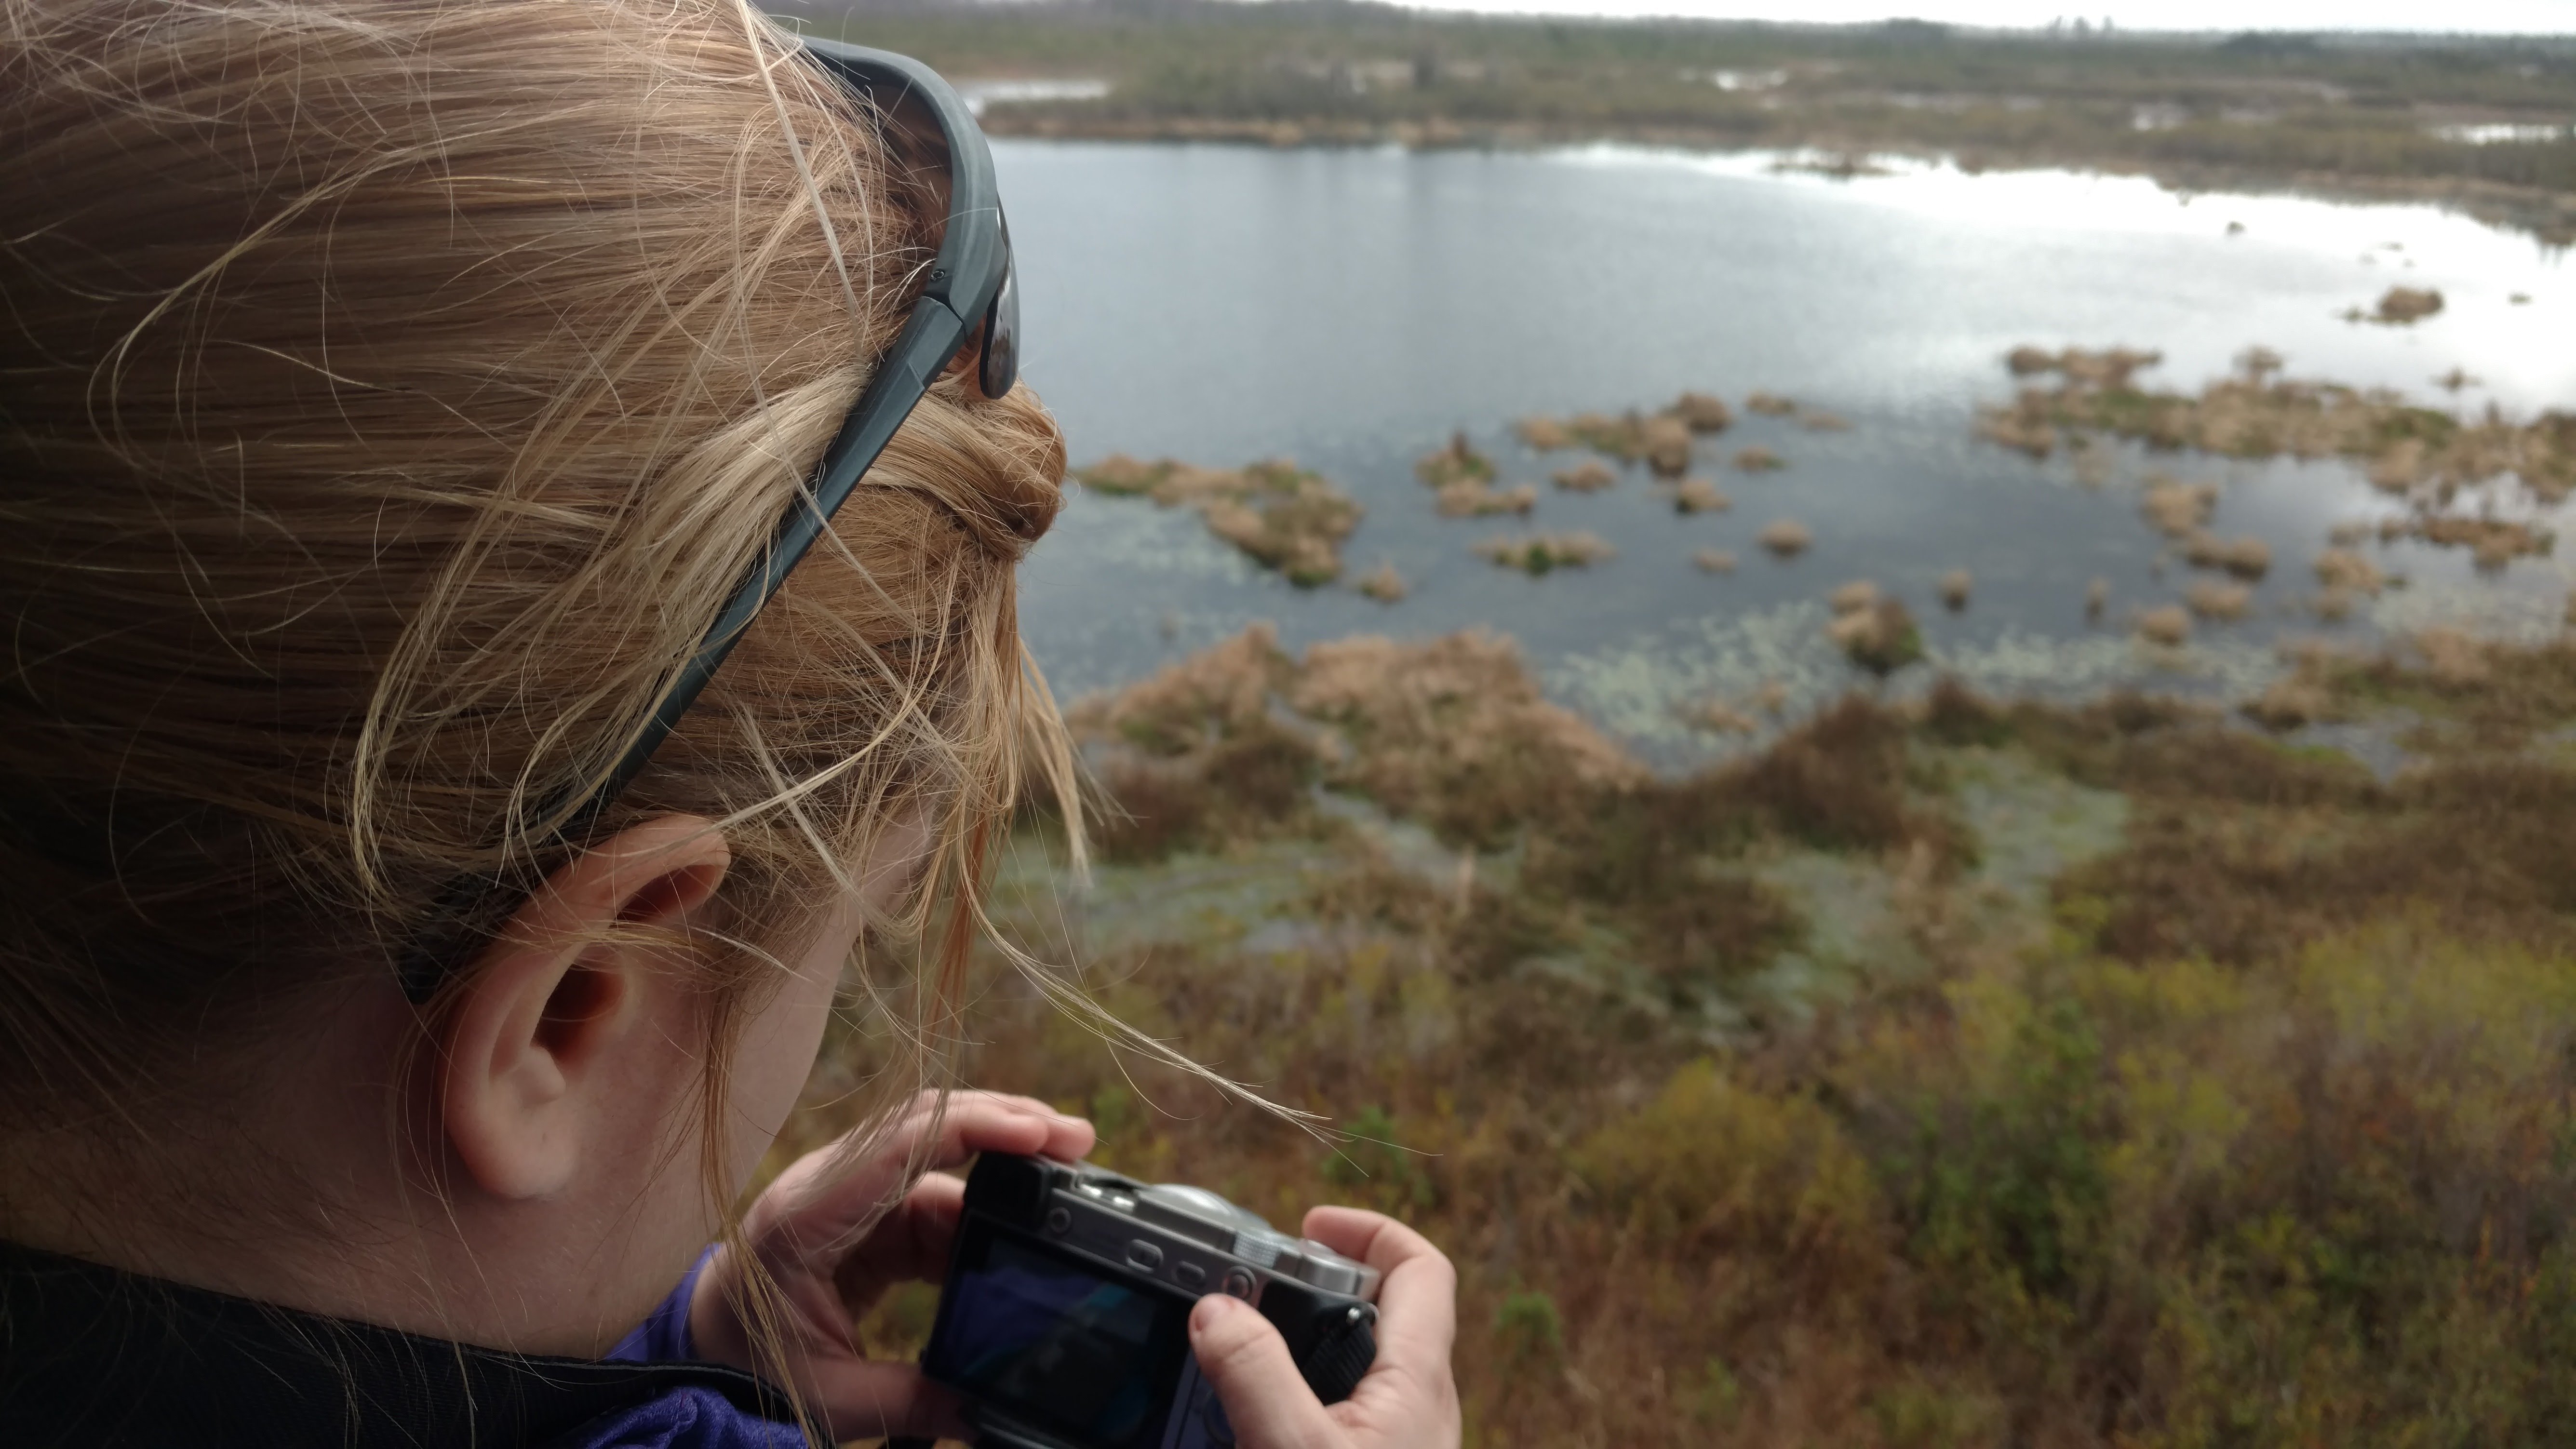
(1622, 437)
(2406, 449)
(1665, 442)
(1703, 412)
(2454, 657)
(1281, 516)
(1956, 585)
(1714, 561)
(1699, 495)
(2218, 600)
(1589, 476)
(1785, 537)
(1759, 459)
(2097, 597)
(1538, 554)
(2493, 542)
(2290, 702)
(2247, 557)
(2405, 306)
(1851, 597)
(1874, 632)
(1770, 405)
(2178, 509)
(1384, 584)
(2166, 624)
(2024, 430)
(1476, 498)
(1457, 462)
(2110, 367)
(2341, 568)
(1545, 435)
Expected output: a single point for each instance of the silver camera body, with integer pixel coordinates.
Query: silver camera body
(1064, 1319)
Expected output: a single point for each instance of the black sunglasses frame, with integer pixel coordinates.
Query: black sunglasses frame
(969, 296)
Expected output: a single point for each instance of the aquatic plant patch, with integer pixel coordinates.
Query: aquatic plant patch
(1281, 516)
(2428, 454)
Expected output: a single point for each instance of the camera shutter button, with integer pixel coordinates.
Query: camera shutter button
(1238, 1282)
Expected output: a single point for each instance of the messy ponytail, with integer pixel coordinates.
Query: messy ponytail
(389, 395)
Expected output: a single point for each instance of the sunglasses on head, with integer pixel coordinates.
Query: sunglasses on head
(967, 300)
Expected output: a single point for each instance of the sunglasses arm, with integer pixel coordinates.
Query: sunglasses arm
(471, 910)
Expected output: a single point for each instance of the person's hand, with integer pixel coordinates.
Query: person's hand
(800, 1231)
(1408, 1400)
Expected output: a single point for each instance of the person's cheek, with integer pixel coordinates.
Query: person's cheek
(778, 1046)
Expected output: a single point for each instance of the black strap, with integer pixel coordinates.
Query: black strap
(94, 1357)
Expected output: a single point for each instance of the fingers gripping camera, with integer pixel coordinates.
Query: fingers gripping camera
(1065, 1318)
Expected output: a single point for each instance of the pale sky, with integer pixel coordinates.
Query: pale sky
(2529, 17)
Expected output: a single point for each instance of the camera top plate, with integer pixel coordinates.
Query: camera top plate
(1187, 1236)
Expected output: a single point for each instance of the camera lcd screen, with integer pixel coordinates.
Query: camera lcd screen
(1036, 1333)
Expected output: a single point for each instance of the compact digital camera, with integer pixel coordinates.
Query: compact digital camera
(1065, 1318)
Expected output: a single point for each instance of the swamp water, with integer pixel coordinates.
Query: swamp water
(1353, 308)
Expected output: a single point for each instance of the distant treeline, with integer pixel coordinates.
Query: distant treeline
(2359, 114)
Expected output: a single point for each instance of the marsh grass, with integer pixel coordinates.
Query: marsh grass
(2218, 600)
(1589, 476)
(1881, 638)
(1384, 584)
(1281, 516)
(1540, 554)
(2247, 557)
(2405, 306)
(2254, 1129)
(2430, 456)
(1699, 495)
(1457, 462)
(1477, 498)
(1785, 537)
(1703, 412)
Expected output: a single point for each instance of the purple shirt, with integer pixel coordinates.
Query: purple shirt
(683, 1418)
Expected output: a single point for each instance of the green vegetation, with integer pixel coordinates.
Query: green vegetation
(2365, 116)
(1947, 1074)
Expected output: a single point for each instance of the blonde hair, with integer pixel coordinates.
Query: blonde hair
(389, 395)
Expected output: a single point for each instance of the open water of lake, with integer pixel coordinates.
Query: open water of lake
(1350, 308)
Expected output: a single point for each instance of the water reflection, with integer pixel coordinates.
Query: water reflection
(1352, 308)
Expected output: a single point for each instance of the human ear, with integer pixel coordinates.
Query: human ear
(553, 1020)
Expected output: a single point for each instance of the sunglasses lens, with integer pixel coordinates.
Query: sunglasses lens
(1001, 363)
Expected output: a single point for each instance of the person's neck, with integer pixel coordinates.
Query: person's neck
(296, 1186)
(261, 1181)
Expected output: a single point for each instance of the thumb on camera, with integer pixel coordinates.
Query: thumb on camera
(1265, 1397)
